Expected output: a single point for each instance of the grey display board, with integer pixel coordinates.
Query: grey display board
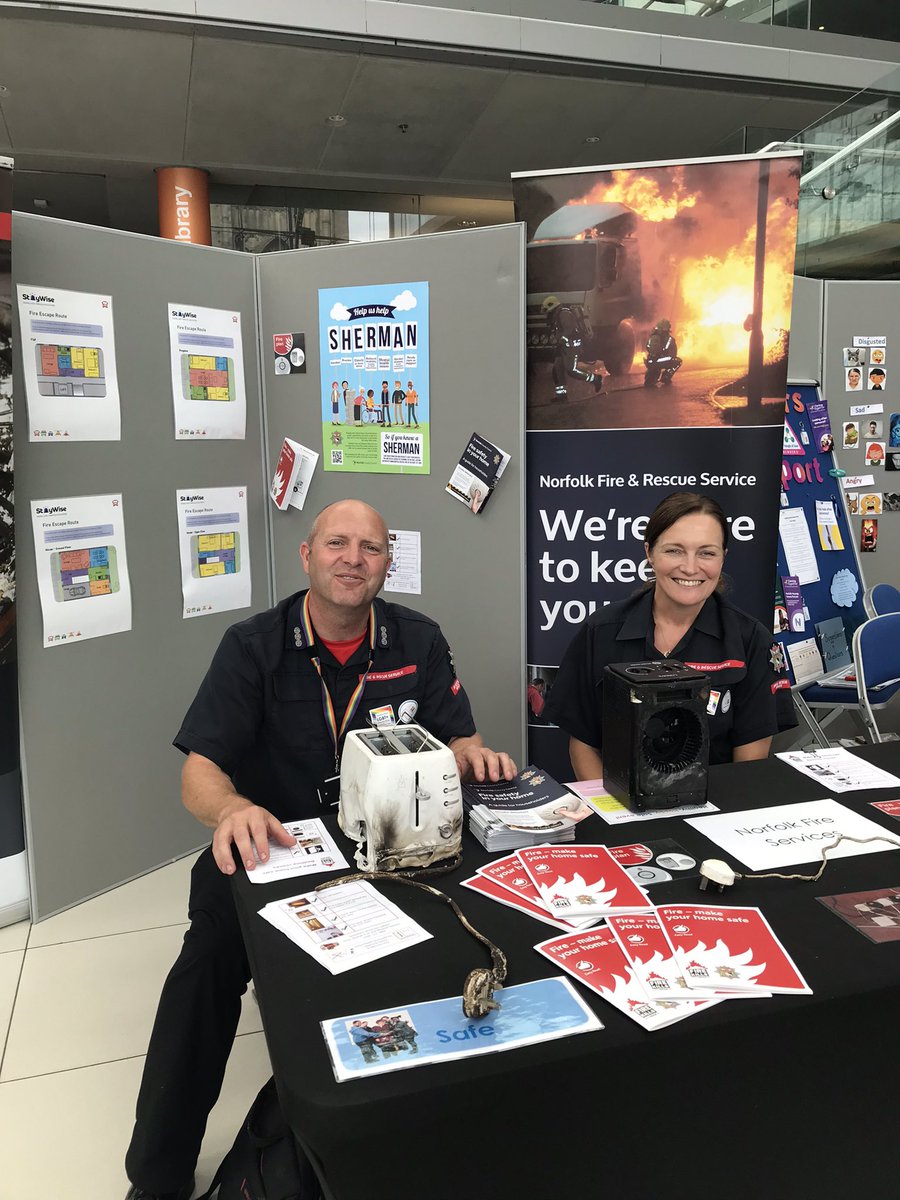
(101, 777)
(805, 353)
(98, 717)
(851, 310)
(472, 566)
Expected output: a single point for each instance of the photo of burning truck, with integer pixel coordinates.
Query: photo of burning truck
(585, 259)
(658, 296)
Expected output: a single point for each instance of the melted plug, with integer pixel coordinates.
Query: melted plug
(713, 870)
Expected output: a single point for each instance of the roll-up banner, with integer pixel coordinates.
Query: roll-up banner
(13, 878)
(658, 313)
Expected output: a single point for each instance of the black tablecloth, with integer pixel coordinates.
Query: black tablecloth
(786, 1097)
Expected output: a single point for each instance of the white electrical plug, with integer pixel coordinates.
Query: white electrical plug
(713, 870)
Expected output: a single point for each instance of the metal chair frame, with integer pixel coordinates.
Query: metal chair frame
(859, 703)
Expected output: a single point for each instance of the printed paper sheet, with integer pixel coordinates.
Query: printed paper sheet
(69, 365)
(82, 567)
(208, 387)
(215, 550)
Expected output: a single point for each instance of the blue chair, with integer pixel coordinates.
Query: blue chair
(876, 653)
(880, 599)
(876, 657)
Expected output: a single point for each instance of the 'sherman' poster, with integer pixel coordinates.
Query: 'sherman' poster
(658, 314)
(375, 388)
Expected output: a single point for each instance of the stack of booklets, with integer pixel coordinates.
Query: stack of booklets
(569, 887)
(531, 809)
(664, 965)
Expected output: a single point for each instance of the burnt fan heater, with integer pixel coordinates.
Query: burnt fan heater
(655, 734)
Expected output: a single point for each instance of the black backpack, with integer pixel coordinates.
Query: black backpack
(265, 1163)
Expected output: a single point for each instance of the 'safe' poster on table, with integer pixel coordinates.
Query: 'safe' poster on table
(215, 551)
(82, 567)
(69, 364)
(375, 386)
(207, 373)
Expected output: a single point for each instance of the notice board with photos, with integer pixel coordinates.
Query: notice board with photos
(819, 585)
(861, 380)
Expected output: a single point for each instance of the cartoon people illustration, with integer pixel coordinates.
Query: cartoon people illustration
(412, 399)
(385, 403)
(397, 397)
(358, 402)
(370, 407)
(345, 388)
(335, 404)
(851, 434)
(876, 379)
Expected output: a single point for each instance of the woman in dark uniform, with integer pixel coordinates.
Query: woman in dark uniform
(684, 616)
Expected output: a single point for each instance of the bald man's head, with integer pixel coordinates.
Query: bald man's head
(342, 511)
(346, 558)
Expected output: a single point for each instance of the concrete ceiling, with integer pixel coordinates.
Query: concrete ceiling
(95, 103)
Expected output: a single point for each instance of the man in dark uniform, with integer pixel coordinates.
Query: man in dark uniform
(750, 697)
(263, 739)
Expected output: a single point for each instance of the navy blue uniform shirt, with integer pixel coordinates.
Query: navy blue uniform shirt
(258, 714)
(749, 699)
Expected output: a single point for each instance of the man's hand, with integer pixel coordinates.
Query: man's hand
(208, 793)
(246, 827)
(476, 761)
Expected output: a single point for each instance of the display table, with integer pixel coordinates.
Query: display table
(751, 1099)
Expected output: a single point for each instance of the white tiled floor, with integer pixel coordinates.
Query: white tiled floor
(77, 998)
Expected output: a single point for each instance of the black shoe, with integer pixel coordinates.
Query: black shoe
(139, 1193)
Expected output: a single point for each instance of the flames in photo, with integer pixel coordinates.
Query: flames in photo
(708, 247)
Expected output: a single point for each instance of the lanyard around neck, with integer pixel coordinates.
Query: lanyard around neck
(337, 731)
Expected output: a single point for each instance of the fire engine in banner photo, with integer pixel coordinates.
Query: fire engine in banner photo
(583, 270)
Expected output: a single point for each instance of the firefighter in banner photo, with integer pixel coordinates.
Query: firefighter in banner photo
(569, 330)
(661, 360)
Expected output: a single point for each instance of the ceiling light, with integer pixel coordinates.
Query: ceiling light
(336, 120)
(591, 140)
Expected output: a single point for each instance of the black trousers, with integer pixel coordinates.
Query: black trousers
(192, 1037)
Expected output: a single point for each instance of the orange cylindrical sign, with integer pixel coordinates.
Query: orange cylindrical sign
(183, 201)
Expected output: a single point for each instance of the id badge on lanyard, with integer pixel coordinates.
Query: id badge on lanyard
(329, 790)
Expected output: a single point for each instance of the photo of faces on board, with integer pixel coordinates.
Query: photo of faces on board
(872, 429)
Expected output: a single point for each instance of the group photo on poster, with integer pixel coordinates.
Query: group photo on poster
(658, 302)
(375, 385)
